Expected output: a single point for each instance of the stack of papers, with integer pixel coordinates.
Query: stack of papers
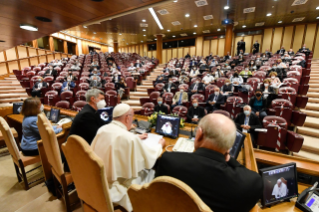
(152, 139)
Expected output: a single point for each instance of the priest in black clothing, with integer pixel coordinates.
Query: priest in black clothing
(304, 50)
(160, 107)
(195, 112)
(218, 179)
(256, 47)
(168, 87)
(215, 100)
(281, 51)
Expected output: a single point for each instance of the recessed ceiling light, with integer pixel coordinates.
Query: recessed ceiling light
(268, 14)
(194, 33)
(93, 37)
(141, 41)
(155, 39)
(144, 35)
(85, 27)
(168, 30)
(143, 20)
(144, 30)
(279, 22)
(226, 7)
(317, 8)
(317, 17)
(173, 36)
(43, 19)
(120, 34)
(218, 29)
(187, 15)
(175, 1)
(244, 26)
(195, 25)
(28, 27)
(94, 32)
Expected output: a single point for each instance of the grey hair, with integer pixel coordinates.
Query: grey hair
(93, 92)
(218, 132)
(247, 106)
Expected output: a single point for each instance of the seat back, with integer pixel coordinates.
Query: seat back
(180, 111)
(154, 95)
(111, 98)
(260, 74)
(288, 93)
(294, 74)
(130, 83)
(159, 86)
(9, 139)
(88, 173)
(291, 82)
(63, 104)
(109, 86)
(163, 193)
(233, 105)
(224, 112)
(78, 105)
(283, 108)
(253, 82)
(148, 109)
(199, 97)
(209, 89)
(57, 86)
(185, 86)
(84, 86)
(168, 98)
(50, 143)
(80, 95)
(221, 81)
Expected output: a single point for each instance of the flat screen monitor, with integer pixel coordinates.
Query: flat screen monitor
(234, 151)
(168, 125)
(280, 183)
(54, 115)
(106, 114)
(17, 106)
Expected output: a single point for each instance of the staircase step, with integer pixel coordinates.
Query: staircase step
(306, 154)
(145, 86)
(313, 94)
(314, 74)
(141, 89)
(12, 91)
(5, 104)
(132, 102)
(135, 108)
(308, 131)
(16, 87)
(312, 89)
(313, 85)
(147, 83)
(13, 95)
(311, 113)
(136, 97)
(310, 144)
(10, 100)
(312, 122)
(313, 100)
(312, 106)
(139, 93)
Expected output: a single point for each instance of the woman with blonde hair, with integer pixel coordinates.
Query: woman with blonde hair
(274, 81)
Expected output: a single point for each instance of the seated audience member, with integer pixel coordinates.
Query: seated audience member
(286, 57)
(138, 64)
(245, 74)
(122, 145)
(227, 88)
(203, 67)
(218, 73)
(218, 179)
(213, 63)
(247, 122)
(208, 79)
(281, 51)
(183, 78)
(233, 64)
(236, 80)
(209, 57)
(227, 56)
(194, 72)
(36, 90)
(274, 80)
(132, 68)
(160, 107)
(178, 64)
(116, 78)
(120, 87)
(252, 66)
(173, 72)
(95, 73)
(215, 100)
(241, 56)
(267, 90)
(258, 104)
(95, 65)
(195, 112)
(87, 122)
(196, 87)
(304, 50)
(50, 72)
(30, 133)
(268, 53)
(168, 87)
(187, 56)
(192, 63)
(291, 53)
(180, 97)
(67, 85)
(280, 64)
(76, 67)
(258, 62)
(161, 79)
(70, 76)
(95, 82)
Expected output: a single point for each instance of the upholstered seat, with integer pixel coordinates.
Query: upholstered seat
(148, 109)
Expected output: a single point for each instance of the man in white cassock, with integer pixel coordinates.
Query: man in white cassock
(126, 158)
(280, 189)
(167, 128)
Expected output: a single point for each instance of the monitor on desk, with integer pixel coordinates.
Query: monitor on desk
(106, 114)
(54, 115)
(168, 125)
(236, 148)
(17, 106)
(280, 183)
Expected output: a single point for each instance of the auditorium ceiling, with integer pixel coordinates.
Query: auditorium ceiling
(63, 13)
(126, 30)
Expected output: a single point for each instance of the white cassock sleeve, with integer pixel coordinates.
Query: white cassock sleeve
(275, 191)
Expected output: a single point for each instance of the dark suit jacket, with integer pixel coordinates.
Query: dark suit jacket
(36, 84)
(223, 186)
(256, 47)
(86, 123)
(281, 51)
(199, 111)
(161, 108)
(173, 86)
(140, 65)
(253, 122)
(200, 87)
(220, 100)
(54, 73)
(187, 56)
(306, 51)
(252, 101)
(291, 53)
(241, 45)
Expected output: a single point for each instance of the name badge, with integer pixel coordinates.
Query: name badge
(195, 116)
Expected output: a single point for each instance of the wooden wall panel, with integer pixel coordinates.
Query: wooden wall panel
(316, 51)
(149, 54)
(144, 49)
(32, 52)
(192, 51)
(50, 57)
(286, 41)
(3, 69)
(206, 48)
(199, 46)
(34, 61)
(185, 51)
(13, 65)
(154, 54)
(257, 37)
(104, 48)
(299, 33)
(267, 39)
(11, 54)
(180, 53)
(248, 40)
(235, 45)
(221, 47)
(277, 39)
(141, 50)
(169, 54)
(164, 56)
(43, 59)
(24, 63)
(22, 52)
(57, 56)
(1, 57)
(41, 52)
(175, 53)
(213, 46)
(310, 35)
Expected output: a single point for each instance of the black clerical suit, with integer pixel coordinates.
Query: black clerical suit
(219, 100)
(187, 56)
(53, 73)
(253, 123)
(161, 108)
(241, 45)
(161, 79)
(198, 87)
(169, 87)
(268, 54)
(271, 94)
(223, 186)
(255, 48)
(304, 50)
(173, 73)
(192, 112)
(291, 53)
(37, 93)
(281, 51)
(138, 65)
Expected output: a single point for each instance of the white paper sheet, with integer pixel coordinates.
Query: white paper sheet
(152, 139)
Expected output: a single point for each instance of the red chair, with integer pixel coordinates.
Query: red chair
(209, 89)
(261, 75)
(63, 104)
(63, 74)
(30, 74)
(224, 112)
(85, 74)
(233, 105)
(51, 97)
(153, 96)
(147, 109)
(84, 79)
(253, 82)
(57, 86)
(200, 98)
(181, 111)
(185, 86)
(168, 98)
(80, 95)
(111, 98)
(33, 81)
(78, 105)
(284, 108)
(68, 96)
(109, 86)
(49, 80)
(294, 74)
(84, 86)
(159, 87)
(277, 136)
(221, 81)
(168, 108)
(291, 82)
(131, 83)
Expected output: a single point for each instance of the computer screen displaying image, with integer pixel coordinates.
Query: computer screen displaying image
(54, 115)
(168, 125)
(17, 106)
(236, 148)
(106, 114)
(280, 183)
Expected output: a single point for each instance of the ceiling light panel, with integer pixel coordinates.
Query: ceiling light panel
(184, 34)
(299, 2)
(175, 23)
(208, 17)
(201, 3)
(143, 25)
(260, 24)
(163, 12)
(249, 10)
(298, 19)
(206, 31)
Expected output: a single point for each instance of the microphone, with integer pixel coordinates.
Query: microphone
(191, 136)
